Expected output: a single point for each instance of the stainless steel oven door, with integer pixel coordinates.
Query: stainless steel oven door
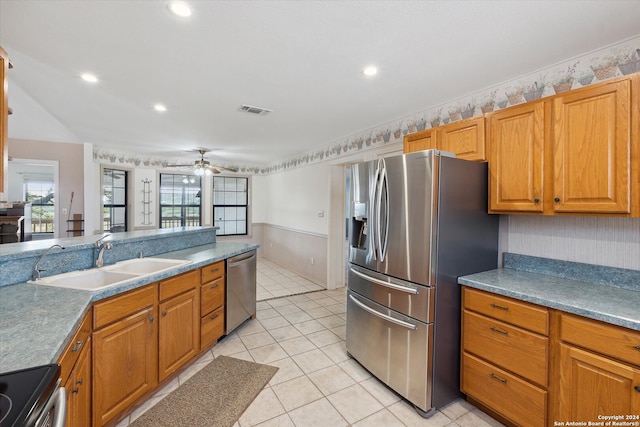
(395, 348)
(54, 413)
(408, 298)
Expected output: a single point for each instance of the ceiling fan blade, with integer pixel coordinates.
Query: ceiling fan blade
(223, 168)
(179, 166)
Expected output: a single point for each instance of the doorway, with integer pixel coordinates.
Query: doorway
(36, 182)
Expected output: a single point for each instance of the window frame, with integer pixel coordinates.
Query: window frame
(115, 205)
(183, 206)
(221, 232)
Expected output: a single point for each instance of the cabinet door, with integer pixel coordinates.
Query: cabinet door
(125, 364)
(79, 391)
(592, 385)
(179, 333)
(592, 149)
(516, 141)
(464, 138)
(418, 141)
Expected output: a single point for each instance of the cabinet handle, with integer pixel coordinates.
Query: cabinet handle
(214, 317)
(79, 382)
(164, 313)
(77, 347)
(505, 333)
(499, 307)
(495, 377)
(75, 390)
(213, 287)
(151, 319)
(637, 388)
(637, 347)
(557, 200)
(536, 200)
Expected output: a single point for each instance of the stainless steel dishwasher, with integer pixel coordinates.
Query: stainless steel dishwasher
(241, 289)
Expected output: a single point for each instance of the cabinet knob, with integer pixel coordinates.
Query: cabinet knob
(151, 319)
(77, 347)
(164, 313)
(536, 200)
(557, 200)
(79, 382)
(637, 388)
(75, 390)
(637, 347)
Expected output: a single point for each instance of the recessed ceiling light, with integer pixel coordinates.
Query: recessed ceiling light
(161, 108)
(180, 8)
(88, 77)
(370, 70)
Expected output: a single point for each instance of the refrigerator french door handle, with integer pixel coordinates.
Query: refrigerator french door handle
(384, 316)
(393, 286)
(372, 214)
(382, 245)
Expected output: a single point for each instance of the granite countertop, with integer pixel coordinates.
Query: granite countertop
(611, 304)
(37, 321)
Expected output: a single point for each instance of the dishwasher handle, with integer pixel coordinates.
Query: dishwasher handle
(236, 261)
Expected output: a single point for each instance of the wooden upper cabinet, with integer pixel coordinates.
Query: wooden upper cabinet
(4, 113)
(464, 138)
(591, 136)
(516, 144)
(418, 141)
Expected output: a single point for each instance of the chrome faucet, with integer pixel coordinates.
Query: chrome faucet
(35, 275)
(100, 247)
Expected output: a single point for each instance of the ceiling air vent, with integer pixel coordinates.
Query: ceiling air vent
(254, 110)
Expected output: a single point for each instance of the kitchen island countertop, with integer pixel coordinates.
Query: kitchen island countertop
(37, 321)
(597, 301)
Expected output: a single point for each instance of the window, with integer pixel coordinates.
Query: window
(114, 197)
(230, 205)
(179, 200)
(39, 192)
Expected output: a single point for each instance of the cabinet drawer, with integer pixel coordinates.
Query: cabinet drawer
(212, 271)
(211, 327)
(519, 351)
(212, 295)
(120, 306)
(515, 399)
(72, 352)
(178, 284)
(610, 340)
(518, 313)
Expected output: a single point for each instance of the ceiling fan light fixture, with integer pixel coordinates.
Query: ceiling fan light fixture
(199, 171)
(180, 8)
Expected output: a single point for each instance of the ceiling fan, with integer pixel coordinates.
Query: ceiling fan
(204, 167)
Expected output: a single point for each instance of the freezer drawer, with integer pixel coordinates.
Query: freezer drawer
(395, 348)
(408, 298)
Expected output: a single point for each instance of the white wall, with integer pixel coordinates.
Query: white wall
(295, 199)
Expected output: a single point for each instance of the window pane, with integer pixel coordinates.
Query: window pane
(241, 213)
(230, 200)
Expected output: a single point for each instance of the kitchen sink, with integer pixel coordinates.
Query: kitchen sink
(96, 279)
(142, 266)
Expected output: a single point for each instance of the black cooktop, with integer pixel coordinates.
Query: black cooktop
(23, 394)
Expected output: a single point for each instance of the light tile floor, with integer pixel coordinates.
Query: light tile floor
(318, 383)
(274, 281)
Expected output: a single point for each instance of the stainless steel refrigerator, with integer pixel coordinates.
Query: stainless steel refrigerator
(418, 221)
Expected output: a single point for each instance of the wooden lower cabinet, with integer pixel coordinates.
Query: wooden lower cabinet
(212, 298)
(505, 356)
(592, 385)
(78, 388)
(125, 352)
(179, 333)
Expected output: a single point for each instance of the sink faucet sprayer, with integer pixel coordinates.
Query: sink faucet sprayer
(100, 247)
(35, 275)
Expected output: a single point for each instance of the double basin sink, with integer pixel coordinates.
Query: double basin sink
(96, 279)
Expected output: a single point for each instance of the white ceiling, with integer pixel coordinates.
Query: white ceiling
(302, 59)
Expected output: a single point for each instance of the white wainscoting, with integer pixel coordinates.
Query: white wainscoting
(613, 242)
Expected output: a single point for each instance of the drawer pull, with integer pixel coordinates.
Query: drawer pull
(77, 347)
(499, 307)
(499, 331)
(214, 287)
(214, 317)
(637, 388)
(637, 347)
(495, 377)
